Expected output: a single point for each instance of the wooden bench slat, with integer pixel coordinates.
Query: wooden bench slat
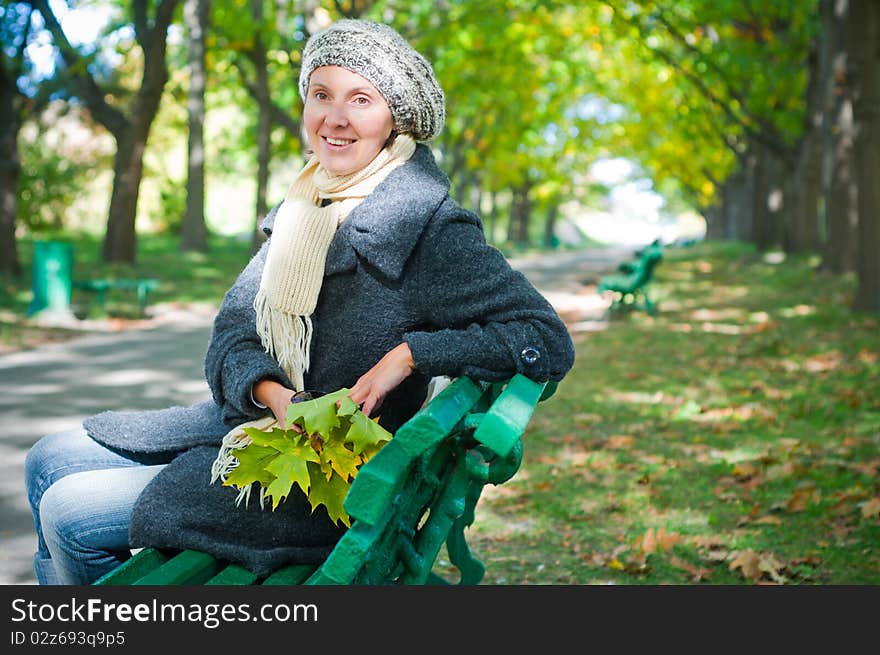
(134, 569)
(233, 574)
(291, 575)
(189, 567)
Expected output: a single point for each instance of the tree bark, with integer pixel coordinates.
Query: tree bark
(520, 212)
(264, 122)
(802, 233)
(194, 233)
(10, 170)
(865, 19)
(839, 182)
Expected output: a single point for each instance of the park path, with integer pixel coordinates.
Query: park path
(55, 386)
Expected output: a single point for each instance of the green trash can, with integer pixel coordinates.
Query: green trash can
(52, 278)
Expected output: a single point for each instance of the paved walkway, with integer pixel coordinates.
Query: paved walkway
(53, 387)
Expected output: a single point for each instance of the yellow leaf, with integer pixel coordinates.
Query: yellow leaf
(615, 564)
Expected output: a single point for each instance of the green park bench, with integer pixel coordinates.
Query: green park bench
(629, 284)
(417, 493)
(142, 286)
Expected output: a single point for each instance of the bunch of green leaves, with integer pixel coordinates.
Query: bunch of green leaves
(322, 455)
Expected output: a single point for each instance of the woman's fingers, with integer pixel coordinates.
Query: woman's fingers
(371, 388)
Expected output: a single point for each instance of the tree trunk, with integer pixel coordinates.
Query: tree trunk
(520, 211)
(120, 242)
(10, 170)
(865, 19)
(493, 218)
(264, 123)
(841, 192)
(737, 214)
(802, 233)
(194, 234)
(476, 196)
(763, 232)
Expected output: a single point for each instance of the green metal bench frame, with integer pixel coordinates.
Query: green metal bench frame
(629, 286)
(417, 493)
(100, 287)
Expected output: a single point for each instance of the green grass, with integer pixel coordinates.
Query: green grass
(734, 438)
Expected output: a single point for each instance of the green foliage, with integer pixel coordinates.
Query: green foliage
(321, 455)
(52, 179)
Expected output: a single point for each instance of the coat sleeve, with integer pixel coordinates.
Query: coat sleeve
(484, 319)
(236, 358)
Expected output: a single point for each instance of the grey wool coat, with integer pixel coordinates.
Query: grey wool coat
(408, 264)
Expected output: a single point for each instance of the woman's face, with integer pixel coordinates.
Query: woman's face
(346, 119)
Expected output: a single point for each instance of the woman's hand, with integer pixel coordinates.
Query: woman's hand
(276, 397)
(372, 387)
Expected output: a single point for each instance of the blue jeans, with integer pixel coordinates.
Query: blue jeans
(81, 495)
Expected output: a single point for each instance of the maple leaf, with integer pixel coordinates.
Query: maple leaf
(365, 432)
(318, 415)
(329, 493)
(264, 438)
(290, 468)
(317, 458)
(341, 460)
(251, 468)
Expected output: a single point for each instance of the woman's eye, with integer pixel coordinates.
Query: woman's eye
(362, 100)
(320, 95)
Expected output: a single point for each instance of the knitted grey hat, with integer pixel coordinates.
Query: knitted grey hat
(378, 53)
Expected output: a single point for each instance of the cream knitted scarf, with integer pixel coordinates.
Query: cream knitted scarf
(301, 237)
(294, 271)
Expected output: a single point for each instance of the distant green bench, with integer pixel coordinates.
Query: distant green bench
(629, 284)
(417, 493)
(100, 287)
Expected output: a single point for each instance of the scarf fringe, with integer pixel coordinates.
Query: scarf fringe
(286, 337)
(226, 461)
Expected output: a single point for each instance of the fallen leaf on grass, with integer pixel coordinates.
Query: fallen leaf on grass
(871, 508)
(768, 520)
(801, 498)
(823, 362)
(697, 573)
(744, 470)
(619, 441)
(651, 542)
(868, 468)
(754, 566)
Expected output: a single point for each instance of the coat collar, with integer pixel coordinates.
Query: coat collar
(386, 226)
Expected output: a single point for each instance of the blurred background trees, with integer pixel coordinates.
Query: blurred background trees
(763, 119)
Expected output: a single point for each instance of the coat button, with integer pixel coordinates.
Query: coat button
(530, 355)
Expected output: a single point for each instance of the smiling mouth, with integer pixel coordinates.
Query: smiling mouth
(333, 141)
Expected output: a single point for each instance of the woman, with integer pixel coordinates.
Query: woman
(372, 279)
